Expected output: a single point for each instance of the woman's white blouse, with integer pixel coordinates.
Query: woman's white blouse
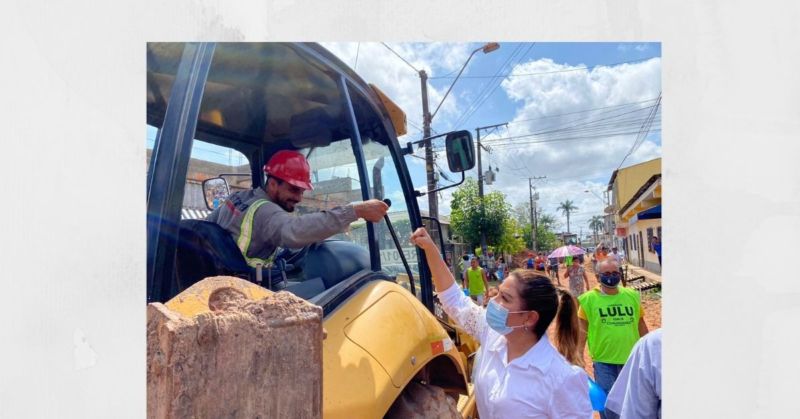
(539, 384)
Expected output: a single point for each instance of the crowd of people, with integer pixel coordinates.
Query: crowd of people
(518, 371)
(511, 319)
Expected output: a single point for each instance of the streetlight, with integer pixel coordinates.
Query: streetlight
(433, 206)
(489, 47)
(595, 194)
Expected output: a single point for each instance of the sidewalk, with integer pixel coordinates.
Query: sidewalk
(634, 271)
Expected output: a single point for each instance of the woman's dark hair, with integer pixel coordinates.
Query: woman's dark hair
(539, 294)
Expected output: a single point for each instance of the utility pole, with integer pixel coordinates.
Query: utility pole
(433, 204)
(427, 117)
(480, 185)
(609, 219)
(534, 217)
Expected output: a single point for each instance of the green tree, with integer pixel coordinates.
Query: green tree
(522, 213)
(512, 239)
(546, 238)
(566, 208)
(468, 217)
(548, 221)
(596, 223)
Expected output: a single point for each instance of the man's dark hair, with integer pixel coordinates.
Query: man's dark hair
(277, 179)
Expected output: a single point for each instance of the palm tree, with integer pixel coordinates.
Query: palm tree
(566, 207)
(596, 223)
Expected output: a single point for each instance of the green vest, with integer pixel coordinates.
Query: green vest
(613, 323)
(475, 281)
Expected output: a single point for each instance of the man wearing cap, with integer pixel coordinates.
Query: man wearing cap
(612, 320)
(259, 219)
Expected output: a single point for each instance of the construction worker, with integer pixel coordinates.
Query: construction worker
(259, 219)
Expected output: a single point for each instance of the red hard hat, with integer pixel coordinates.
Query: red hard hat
(291, 167)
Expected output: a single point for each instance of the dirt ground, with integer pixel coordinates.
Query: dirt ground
(651, 304)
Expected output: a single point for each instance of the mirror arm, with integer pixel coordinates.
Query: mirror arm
(418, 193)
(409, 147)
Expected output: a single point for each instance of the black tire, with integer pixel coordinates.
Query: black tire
(420, 401)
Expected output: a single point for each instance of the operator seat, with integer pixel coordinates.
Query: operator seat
(206, 249)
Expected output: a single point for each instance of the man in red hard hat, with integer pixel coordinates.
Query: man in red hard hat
(259, 219)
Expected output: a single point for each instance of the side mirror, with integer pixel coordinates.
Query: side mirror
(215, 192)
(460, 151)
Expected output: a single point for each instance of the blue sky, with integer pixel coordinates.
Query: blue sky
(572, 54)
(584, 121)
(549, 90)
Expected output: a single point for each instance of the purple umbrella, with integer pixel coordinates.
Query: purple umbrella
(565, 251)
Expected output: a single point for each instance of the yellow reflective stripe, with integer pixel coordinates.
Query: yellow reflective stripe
(264, 262)
(246, 233)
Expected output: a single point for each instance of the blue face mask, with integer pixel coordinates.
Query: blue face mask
(610, 279)
(497, 316)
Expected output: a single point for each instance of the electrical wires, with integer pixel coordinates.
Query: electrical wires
(643, 131)
(512, 60)
(400, 57)
(552, 72)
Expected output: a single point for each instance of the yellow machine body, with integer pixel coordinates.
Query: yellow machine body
(376, 343)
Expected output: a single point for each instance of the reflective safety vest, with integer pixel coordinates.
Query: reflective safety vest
(246, 235)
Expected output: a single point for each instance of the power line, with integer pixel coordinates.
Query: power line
(400, 57)
(487, 86)
(564, 128)
(572, 138)
(358, 48)
(497, 82)
(554, 71)
(642, 132)
(573, 129)
(621, 105)
(575, 138)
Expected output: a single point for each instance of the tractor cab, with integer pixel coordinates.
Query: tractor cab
(215, 115)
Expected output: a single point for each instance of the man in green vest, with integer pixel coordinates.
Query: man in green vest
(259, 219)
(475, 280)
(611, 318)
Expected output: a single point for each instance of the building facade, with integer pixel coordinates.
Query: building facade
(636, 210)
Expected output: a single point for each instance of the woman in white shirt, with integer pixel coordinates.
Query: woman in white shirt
(518, 373)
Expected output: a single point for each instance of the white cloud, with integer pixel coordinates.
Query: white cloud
(379, 66)
(571, 166)
(628, 46)
(576, 163)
